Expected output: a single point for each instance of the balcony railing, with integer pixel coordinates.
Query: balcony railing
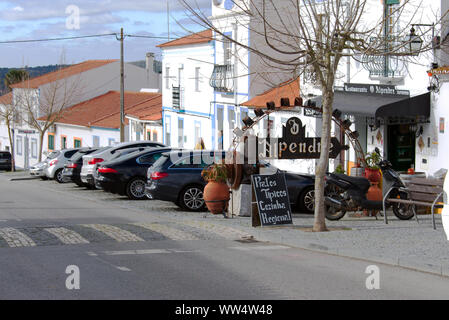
(222, 78)
(177, 97)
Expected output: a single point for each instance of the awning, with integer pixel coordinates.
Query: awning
(360, 104)
(380, 106)
(415, 107)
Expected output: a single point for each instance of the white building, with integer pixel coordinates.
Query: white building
(70, 86)
(96, 122)
(193, 109)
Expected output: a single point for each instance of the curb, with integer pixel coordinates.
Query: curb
(24, 178)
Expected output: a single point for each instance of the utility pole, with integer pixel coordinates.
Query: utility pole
(122, 88)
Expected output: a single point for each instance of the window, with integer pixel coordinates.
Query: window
(180, 133)
(111, 141)
(231, 118)
(155, 136)
(77, 142)
(34, 148)
(63, 142)
(19, 145)
(51, 141)
(69, 154)
(149, 159)
(96, 141)
(227, 51)
(149, 135)
(197, 79)
(167, 78)
(168, 131)
(197, 131)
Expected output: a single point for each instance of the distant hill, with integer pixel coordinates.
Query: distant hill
(33, 71)
(38, 71)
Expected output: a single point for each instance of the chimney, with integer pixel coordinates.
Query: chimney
(150, 61)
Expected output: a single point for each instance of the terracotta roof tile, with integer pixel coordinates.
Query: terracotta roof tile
(6, 99)
(288, 89)
(195, 38)
(104, 111)
(62, 73)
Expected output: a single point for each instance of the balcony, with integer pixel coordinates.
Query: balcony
(177, 97)
(222, 79)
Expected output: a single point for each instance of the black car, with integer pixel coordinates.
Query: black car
(178, 179)
(72, 168)
(5, 160)
(126, 175)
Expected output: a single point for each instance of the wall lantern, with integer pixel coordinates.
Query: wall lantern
(285, 102)
(248, 121)
(336, 114)
(271, 105)
(415, 42)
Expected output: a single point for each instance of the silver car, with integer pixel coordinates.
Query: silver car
(91, 161)
(38, 170)
(54, 167)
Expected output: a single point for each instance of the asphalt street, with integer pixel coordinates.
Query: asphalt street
(126, 251)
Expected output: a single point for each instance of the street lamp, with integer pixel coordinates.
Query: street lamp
(415, 42)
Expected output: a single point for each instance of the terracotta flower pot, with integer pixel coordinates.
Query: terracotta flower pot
(216, 196)
(373, 175)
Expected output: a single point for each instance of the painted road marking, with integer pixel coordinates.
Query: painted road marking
(146, 251)
(115, 233)
(171, 233)
(251, 248)
(15, 238)
(67, 236)
(124, 269)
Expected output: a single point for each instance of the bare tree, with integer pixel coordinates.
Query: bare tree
(41, 108)
(299, 37)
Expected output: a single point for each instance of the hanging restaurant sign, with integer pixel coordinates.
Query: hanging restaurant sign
(378, 89)
(295, 145)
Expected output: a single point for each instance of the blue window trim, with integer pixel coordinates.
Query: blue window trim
(35, 141)
(186, 112)
(165, 128)
(99, 140)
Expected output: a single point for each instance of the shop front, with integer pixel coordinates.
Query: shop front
(384, 117)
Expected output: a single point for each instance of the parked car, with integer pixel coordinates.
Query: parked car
(39, 168)
(5, 160)
(91, 161)
(72, 168)
(180, 181)
(53, 169)
(126, 175)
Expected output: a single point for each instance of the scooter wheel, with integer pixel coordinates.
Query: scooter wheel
(333, 215)
(402, 211)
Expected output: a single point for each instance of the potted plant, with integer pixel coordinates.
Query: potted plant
(372, 170)
(216, 192)
(339, 169)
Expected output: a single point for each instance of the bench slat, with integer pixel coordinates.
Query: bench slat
(427, 181)
(418, 203)
(423, 196)
(425, 189)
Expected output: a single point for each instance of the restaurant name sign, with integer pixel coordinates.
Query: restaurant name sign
(295, 145)
(376, 89)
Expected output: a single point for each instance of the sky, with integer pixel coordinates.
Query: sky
(41, 19)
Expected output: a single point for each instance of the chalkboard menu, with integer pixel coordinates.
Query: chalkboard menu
(271, 196)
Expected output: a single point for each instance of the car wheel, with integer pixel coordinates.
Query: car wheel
(191, 198)
(58, 176)
(135, 190)
(307, 200)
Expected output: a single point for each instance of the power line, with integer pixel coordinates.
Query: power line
(58, 39)
(79, 37)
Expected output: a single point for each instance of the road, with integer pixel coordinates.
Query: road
(127, 250)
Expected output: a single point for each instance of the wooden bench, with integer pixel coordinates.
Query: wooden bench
(421, 192)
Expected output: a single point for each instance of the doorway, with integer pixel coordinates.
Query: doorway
(401, 147)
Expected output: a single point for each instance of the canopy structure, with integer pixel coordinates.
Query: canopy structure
(380, 106)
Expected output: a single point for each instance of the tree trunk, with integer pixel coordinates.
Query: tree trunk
(13, 157)
(41, 141)
(320, 171)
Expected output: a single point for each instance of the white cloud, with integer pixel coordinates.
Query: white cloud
(18, 9)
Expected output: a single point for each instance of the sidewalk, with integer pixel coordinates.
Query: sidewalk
(400, 243)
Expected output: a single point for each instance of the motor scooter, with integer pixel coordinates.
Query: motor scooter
(344, 193)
